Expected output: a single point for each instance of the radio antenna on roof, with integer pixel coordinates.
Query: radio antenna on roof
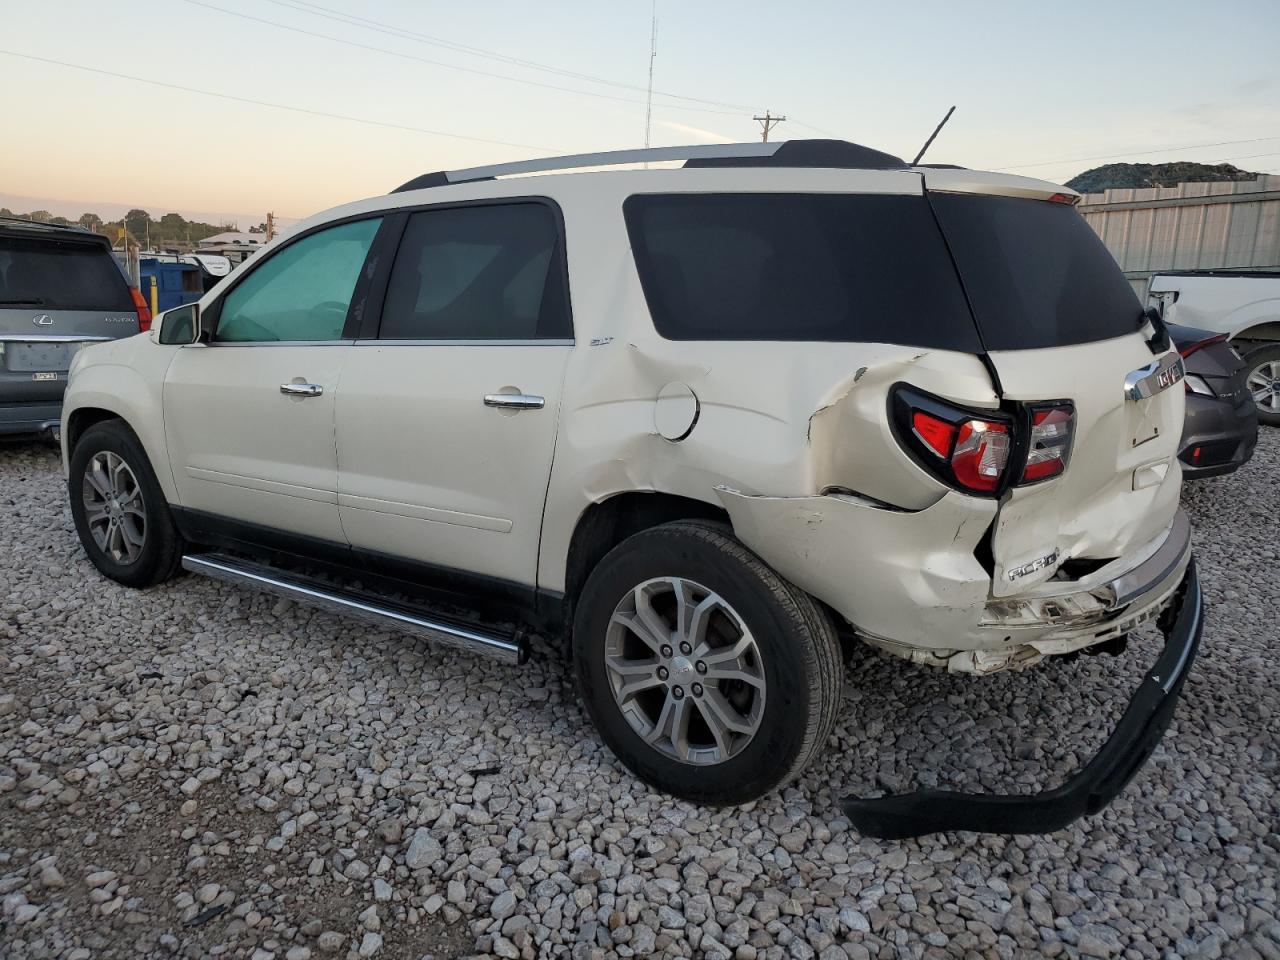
(929, 142)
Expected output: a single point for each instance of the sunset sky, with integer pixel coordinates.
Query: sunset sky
(1042, 90)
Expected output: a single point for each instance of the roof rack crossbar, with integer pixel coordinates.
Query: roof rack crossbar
(608, 158)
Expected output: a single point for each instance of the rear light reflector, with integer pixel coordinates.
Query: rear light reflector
(144, 310)
(1050, 442)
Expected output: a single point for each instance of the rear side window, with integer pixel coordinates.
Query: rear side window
(826, 267)
(484, 272)
(57, 275)
(1035, 272)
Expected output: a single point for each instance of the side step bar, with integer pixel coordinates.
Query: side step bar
(379, 611)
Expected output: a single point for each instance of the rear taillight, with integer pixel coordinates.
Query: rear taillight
(1187, 349)
(1049, 445)
(980, 451)
(144, 310)
(965, 450)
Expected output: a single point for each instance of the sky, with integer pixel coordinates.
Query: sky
(382, 90)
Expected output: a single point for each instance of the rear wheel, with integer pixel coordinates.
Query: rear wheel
(119, 510)
(1263, 381)
(705, 672)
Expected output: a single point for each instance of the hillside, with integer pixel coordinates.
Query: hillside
(1112, 175)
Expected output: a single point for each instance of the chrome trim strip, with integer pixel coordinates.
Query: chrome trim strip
(271, 343)
(297, 588)
(463, 343)
(52, 338)
(1158, 375)
(1170, 557)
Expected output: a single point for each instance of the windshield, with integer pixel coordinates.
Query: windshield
(1036, 274)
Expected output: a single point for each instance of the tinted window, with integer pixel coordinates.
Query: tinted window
(832, 267)
(1035, 272)
(489, 272)
(303, 291)
(60, 276)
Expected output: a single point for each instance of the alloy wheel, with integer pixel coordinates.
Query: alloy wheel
(114, 507)
(1264, 384)
(685, 671)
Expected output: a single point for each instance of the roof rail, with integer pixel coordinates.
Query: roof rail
(783, 153)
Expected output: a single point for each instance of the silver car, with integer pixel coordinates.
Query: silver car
(60, 288)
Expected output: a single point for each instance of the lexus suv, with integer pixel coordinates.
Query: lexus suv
(706, 422)
(60, 289)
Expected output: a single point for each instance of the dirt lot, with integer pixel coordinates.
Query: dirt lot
(201, 771)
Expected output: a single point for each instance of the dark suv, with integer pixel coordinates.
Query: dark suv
(60, 288)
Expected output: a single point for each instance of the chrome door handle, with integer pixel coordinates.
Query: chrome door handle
(301, 389)
(514, 401)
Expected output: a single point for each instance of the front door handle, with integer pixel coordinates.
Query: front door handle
(301, 389)
(515, 401)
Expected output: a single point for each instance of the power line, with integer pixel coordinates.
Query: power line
(315, 9)
(276, 106)
(439, 63)
(767, 123)
(1135, 153)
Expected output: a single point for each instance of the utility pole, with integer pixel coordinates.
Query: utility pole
(271, 225)
(767, 123)
(653, 55)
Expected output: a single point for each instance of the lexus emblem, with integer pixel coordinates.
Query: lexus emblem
(44, 320)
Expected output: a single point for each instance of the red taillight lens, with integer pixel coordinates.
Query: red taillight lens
(1050, 447)
(1070, 198)
(144, 310)
(981, 454)
(937, 434)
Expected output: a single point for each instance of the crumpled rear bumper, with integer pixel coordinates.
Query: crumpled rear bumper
(1130, 745)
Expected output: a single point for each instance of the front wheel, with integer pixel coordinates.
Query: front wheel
(119, 510)
(706, 673)
(1263, 381)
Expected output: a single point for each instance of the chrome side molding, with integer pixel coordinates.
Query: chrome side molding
(384, 613)
(1158, 375)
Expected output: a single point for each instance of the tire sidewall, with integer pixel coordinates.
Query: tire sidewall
(788, 712)
(158, 539)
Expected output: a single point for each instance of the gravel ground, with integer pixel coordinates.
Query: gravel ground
(201, 771)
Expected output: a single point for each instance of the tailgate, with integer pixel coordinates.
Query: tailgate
(1120, 488)
(1060, 323)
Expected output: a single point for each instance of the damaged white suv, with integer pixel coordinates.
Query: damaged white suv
(706, 421)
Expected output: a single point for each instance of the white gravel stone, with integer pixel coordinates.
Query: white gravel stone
(231, 774)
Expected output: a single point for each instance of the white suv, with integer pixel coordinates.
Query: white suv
(705, 422)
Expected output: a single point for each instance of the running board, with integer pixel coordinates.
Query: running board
(379, 611)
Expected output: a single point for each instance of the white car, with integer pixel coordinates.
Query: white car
(1245, 305)
(706, 423)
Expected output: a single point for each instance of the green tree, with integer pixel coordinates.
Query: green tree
(137, 222)
(90, 221)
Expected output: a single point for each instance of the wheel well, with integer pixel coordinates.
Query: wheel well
(1262, 332)
(606, 524)
(84, 418)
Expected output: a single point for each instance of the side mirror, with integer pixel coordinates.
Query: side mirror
(181, 325)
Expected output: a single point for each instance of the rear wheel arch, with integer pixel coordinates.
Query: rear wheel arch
(1257, 334)
(605, 524)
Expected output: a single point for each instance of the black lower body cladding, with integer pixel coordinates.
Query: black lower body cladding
(1130, 745)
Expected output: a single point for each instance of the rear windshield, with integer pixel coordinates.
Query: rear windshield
(60, 276)
(826, 267)
(1036, 274)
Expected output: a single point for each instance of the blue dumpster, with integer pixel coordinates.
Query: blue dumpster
(175, 283)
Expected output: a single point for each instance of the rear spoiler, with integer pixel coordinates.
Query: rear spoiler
(996, 185)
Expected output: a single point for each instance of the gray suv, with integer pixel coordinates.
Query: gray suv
(60, 288)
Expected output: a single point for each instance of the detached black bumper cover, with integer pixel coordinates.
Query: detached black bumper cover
(1128, 748)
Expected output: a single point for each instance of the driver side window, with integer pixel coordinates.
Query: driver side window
(301, 293)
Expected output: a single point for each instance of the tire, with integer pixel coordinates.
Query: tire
(1261, 380)
(782, 642)
(145, 548)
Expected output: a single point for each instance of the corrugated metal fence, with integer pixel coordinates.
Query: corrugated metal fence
(1194, 226)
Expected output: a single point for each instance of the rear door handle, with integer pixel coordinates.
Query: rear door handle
(515, 401)
(301, 389)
